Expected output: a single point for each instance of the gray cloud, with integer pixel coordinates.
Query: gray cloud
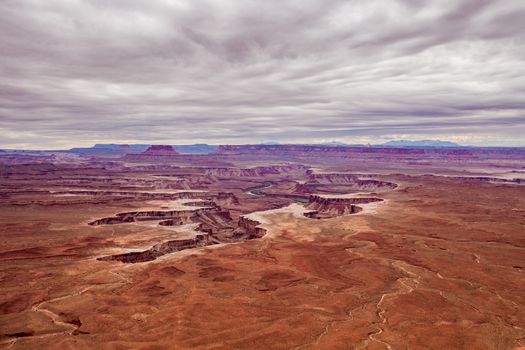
(78, 72)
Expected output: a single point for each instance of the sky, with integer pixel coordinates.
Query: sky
(75, 73)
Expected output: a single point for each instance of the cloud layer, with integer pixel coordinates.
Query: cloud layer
(222, 71)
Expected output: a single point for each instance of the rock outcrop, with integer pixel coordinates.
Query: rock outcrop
(226, 199)
(216, 225)
(155, 154)
(160, 249)
(349, 180)
(249, 228)
(329, 207)
(160, 150)
(331, 178)
(171, 217)
(261, 171)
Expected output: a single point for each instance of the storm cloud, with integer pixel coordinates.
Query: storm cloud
(75, 72)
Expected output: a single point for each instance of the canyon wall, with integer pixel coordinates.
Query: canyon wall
(329, 207)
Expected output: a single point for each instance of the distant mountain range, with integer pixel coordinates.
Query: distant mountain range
(117, 150)
(398, 143)
(420, 143)
(335, 144)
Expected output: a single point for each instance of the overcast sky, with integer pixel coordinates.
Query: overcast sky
(75, 73)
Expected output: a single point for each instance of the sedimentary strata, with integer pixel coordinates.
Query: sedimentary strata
(160, 249)
(160, 150)
(493, 179)
(249, 228)
(323, 207)
(260, 171)
(350, 180)
(179, 217)
(216, 225)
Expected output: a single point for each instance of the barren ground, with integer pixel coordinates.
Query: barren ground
(438, 264)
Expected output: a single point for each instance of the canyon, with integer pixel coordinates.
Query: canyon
(262, 247)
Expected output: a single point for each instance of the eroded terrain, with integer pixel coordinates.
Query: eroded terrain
(263, 249)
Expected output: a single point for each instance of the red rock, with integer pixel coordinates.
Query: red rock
(160, 150)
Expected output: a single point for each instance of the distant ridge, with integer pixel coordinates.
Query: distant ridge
(117, 150)
(420, 143)
(199, 148)
(335, 144)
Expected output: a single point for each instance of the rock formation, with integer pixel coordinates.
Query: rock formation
(216, 225)
(160, 249)
(160, 150)
(260, 171)
(324, 207)
(350, 180)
